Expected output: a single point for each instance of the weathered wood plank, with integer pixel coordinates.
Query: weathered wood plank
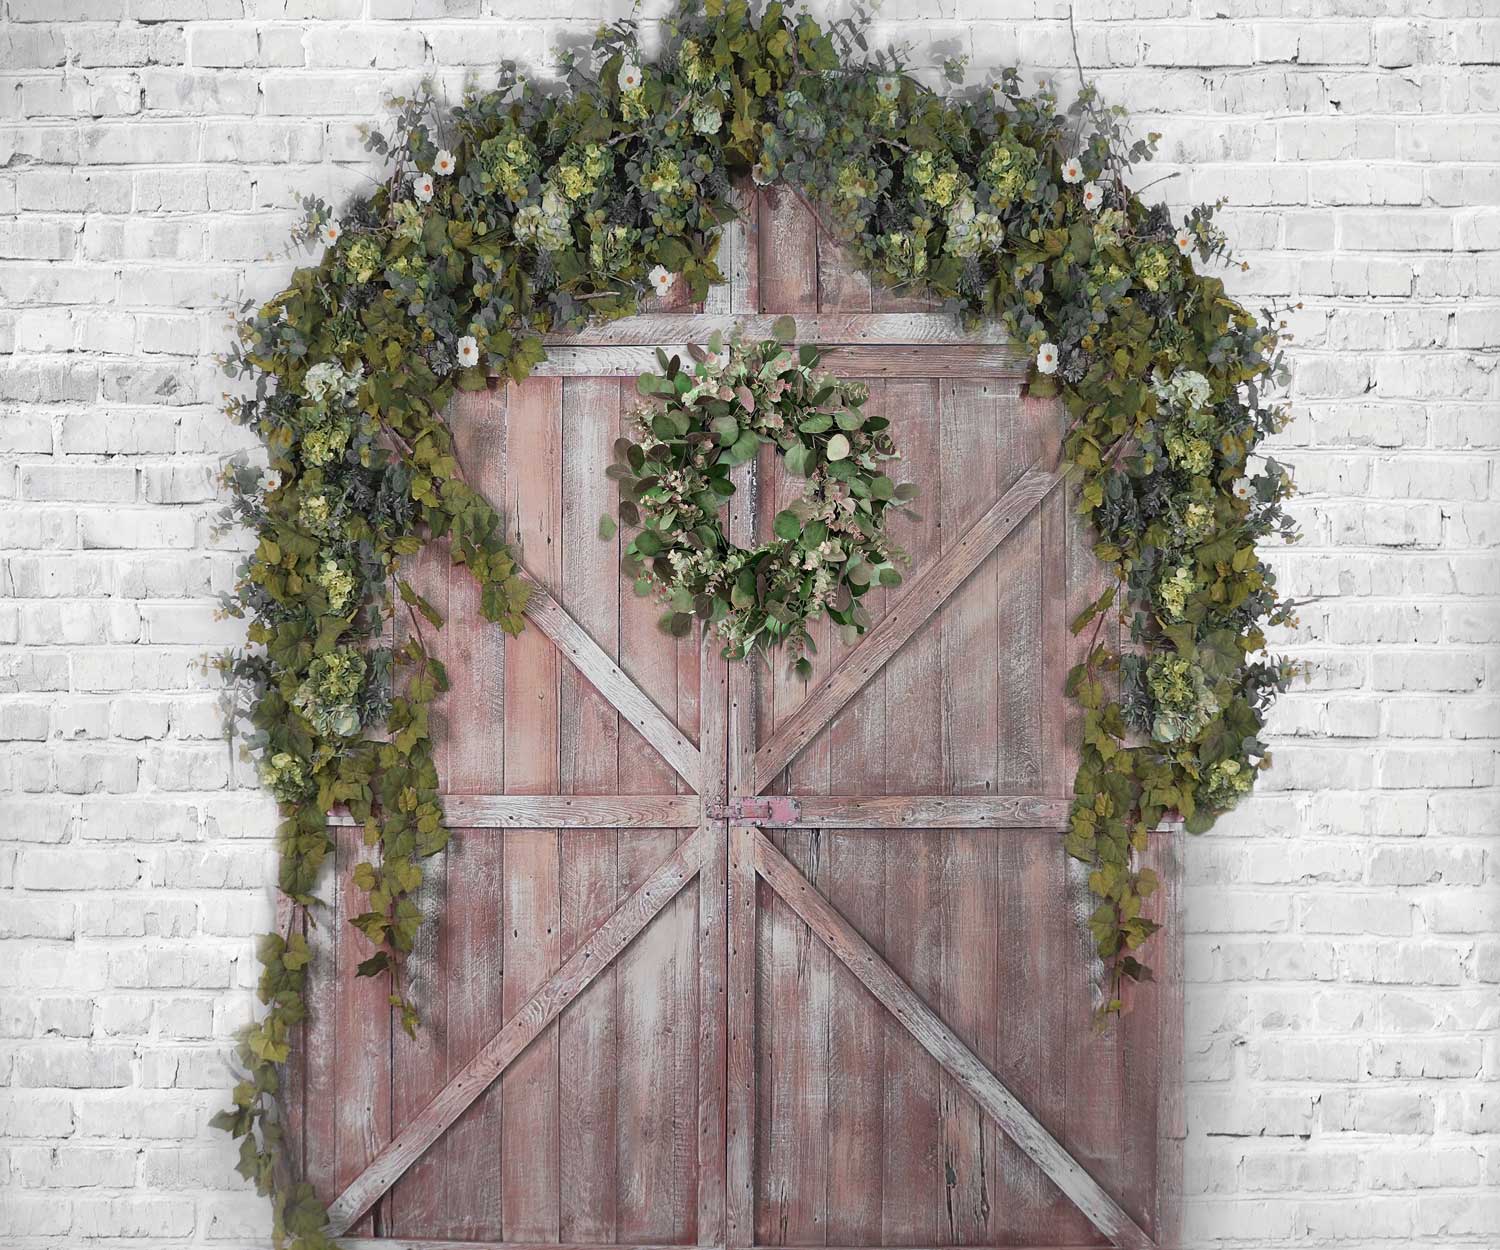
(657, 1074)
(566, 811)
(713, 952)
(912, 1191)
(740, 1127)
(946, 1047)
(471, 930)
(972, 651)
(523, 1027)
(610, 680)
(826, 328)
(590, 764)
(926, 593)
(363, 1065)
(530, 1167)
(408, 1243)
(897, 360)
(792, 1056)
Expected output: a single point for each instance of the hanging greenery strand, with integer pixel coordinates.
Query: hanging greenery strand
(535, 208)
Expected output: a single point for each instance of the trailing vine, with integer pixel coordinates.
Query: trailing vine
(532, 208)
(827, 547)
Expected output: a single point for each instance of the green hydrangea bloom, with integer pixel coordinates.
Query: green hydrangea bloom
(1184, 705)
(1222, 784)
(338, 584)
(1174, 590)
(1188, 451)
(284, 775)
(363, 258)
(1006, 167)
(507, 162)
(1155, 266)
(329, 695)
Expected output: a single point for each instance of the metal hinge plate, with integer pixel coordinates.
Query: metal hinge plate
(767, 811)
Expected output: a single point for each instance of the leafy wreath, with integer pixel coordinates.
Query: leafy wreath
(829, 546)
(533, 208)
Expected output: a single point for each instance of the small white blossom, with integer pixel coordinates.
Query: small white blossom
(1046, 358)
(1184, 242)
(443, 164)
(421, 187)
(760, 174)
(1072, 170)
(1093, 196)
(330, 232)
(270, 481)
(468, 351)
(630, 78)
(1242, 488)
(707, 120)
(889, 86)
(661, 279)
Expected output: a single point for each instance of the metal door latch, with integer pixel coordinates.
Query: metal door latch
(780, 810)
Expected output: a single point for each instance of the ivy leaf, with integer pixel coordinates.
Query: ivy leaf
(607, 527)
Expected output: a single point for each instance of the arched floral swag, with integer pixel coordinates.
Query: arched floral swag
(535, 207)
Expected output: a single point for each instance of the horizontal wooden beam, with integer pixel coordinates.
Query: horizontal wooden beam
(823, 329)
(925, 811)
(609, 679)
(409, 1243)
(576, 975)
(944, 1045)
(896, 360)
(566, 811)
(924, 595)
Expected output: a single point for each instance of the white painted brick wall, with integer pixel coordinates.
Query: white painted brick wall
(1343, 953)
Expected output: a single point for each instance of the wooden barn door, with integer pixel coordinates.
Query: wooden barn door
(731, 958)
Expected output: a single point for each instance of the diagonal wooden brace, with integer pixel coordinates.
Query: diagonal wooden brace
(576, 975)
(923, 597)
(944, 1045)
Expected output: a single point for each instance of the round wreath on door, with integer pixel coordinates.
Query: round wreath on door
(532, 208)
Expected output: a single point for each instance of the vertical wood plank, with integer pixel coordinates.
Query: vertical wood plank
(912, 1187)
(363, 1064)
(795, 984)
(842, 285)
(529, 1088)
(589, 735)
(657, 977)
(419, 1061)
(858, 1031)
(973, 650)
(319, 1080)
(740, 1144)
(788, 248)
(466, 1159)
(1032, 1027)
(713, 952)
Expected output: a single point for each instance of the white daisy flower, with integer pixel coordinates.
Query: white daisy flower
(661, 279)
(270, 481)
(1072, 170)
(443, 163)
(1046, 358)
(889, 86)
(1093, 196)
(630, 78)
(1242, 488)
(1184, 242)
(421, 187)
(330, 231)
(468, 351)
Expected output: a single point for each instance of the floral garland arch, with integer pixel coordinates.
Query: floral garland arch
(529, 209)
